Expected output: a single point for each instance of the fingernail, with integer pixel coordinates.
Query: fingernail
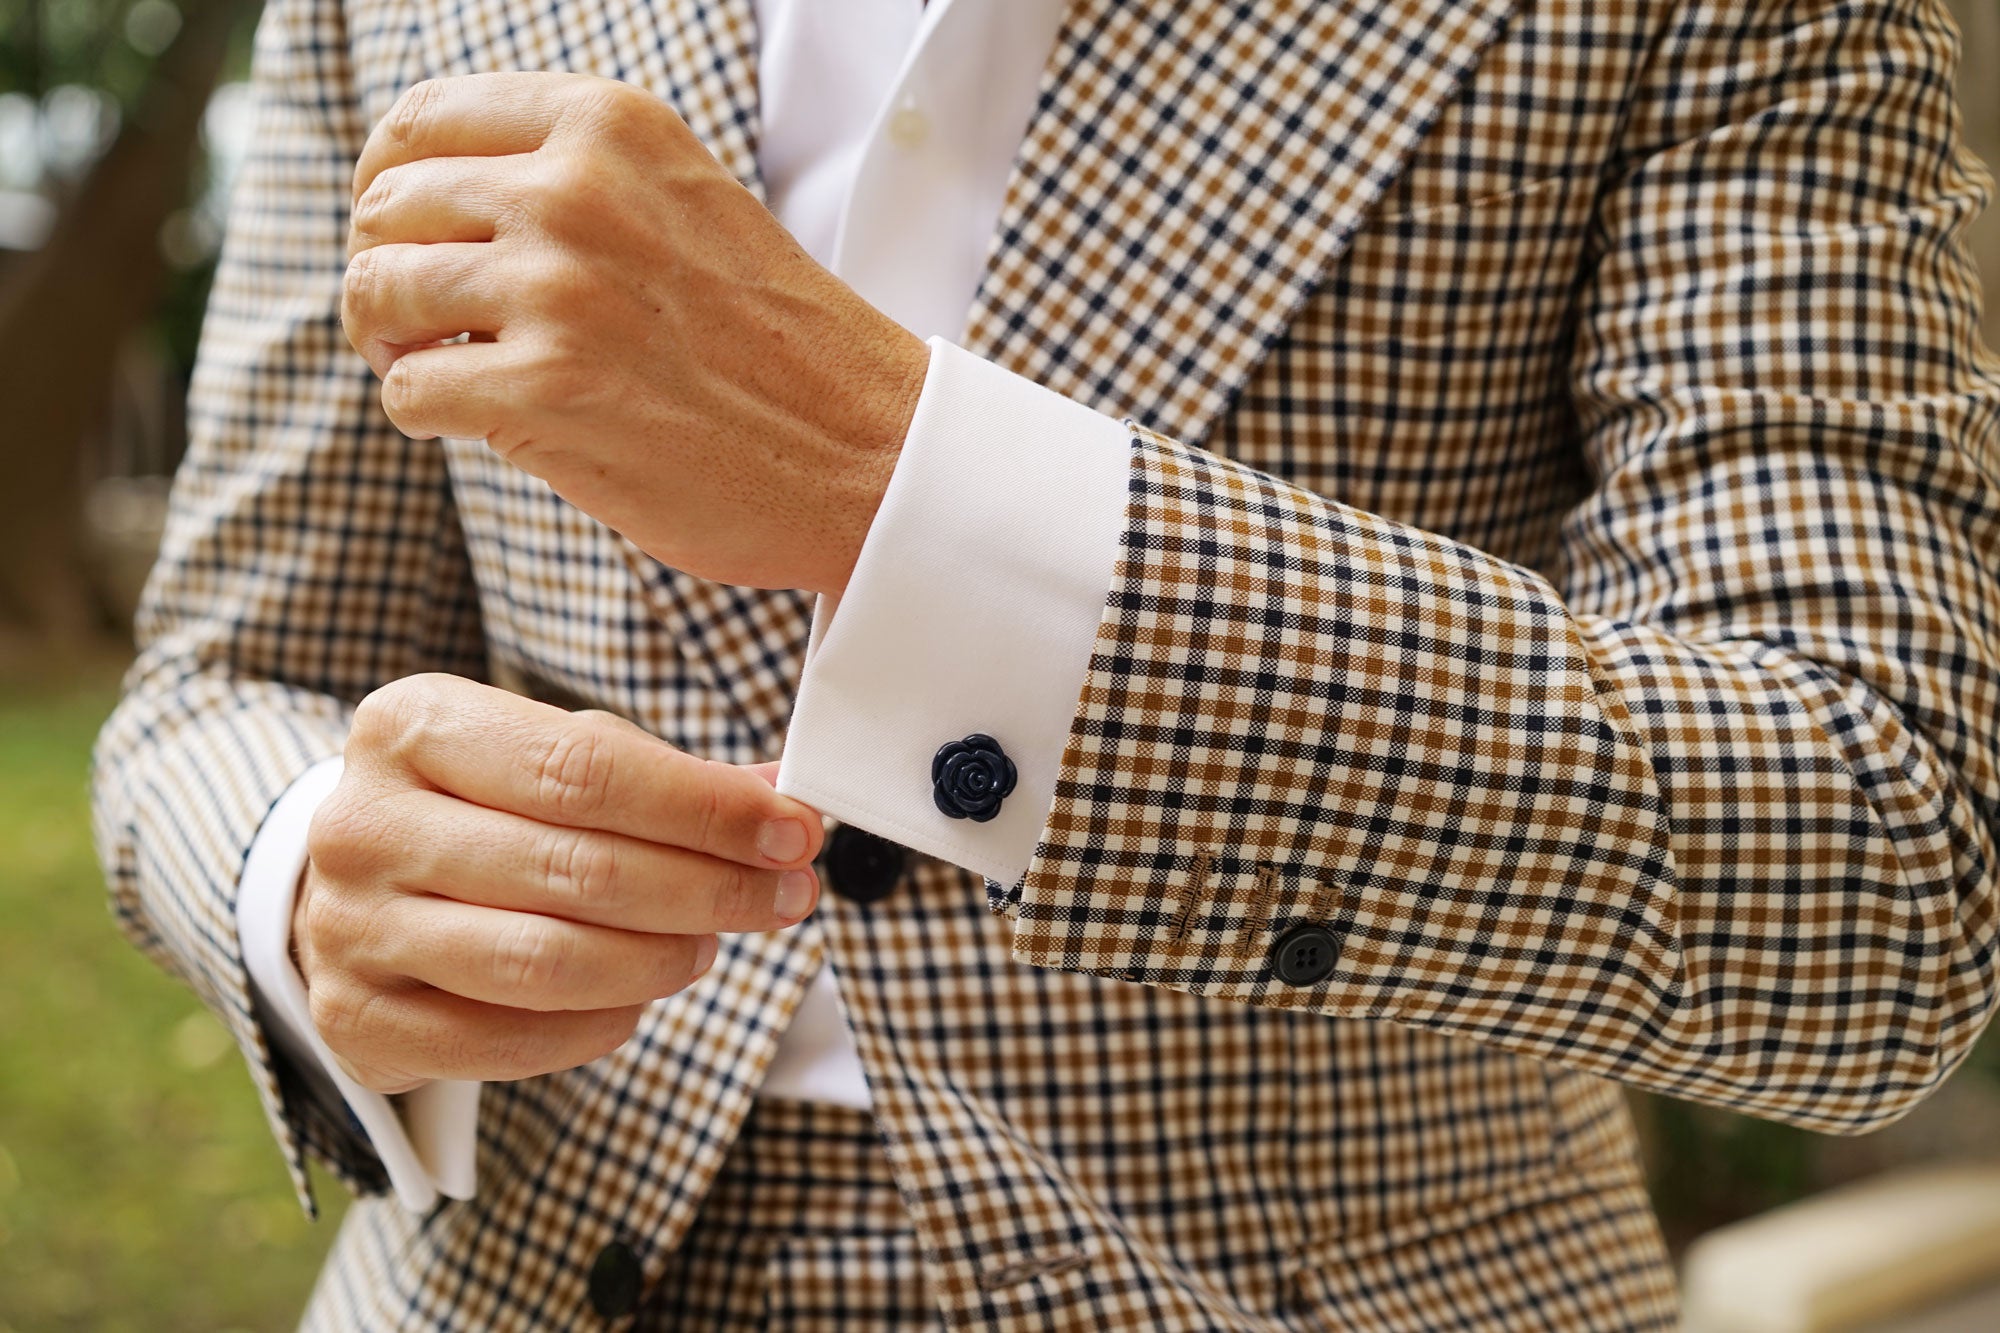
(704, 954)
(782, 840)
(795, 894)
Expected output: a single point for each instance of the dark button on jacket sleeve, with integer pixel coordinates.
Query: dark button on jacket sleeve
(1305, 954)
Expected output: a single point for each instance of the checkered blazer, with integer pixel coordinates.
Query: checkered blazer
(1560, 559)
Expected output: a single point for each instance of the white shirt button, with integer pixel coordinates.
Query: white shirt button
(908, 128)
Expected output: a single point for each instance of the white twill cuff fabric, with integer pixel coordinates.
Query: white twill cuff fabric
(427, 1138)
(973, 609)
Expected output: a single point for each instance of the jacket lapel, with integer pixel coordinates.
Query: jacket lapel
(709, 59)
(1190, 172)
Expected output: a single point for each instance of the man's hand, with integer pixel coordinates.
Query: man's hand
(497, 888)
(645, 336)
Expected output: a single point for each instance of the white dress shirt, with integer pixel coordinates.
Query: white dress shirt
(889, 131)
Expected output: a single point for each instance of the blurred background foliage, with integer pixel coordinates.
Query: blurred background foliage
(139, 1191)
(119, 123)
(138, 1186)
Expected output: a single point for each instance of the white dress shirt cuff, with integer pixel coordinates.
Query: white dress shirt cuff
(426, 1138)
(973, 608)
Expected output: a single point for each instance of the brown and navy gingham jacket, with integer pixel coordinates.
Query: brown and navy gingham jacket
(1560, 559)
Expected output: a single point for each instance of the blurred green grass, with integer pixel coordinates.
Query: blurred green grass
(139, 1187)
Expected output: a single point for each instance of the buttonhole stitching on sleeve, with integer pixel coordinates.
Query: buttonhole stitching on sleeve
(1192, 901)
(1258, 911)
(1007, 1275)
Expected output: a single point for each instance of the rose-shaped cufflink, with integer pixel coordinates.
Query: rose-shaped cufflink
(970, 778)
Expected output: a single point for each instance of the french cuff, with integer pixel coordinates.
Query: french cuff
(969, 622)
(426, 1138)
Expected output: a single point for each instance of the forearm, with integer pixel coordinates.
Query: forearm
(1716, 870)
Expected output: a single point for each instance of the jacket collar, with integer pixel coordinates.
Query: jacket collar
(708, 50)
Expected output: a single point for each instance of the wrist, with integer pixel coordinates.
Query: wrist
(886, 390)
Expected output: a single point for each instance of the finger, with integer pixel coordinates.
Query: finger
(472, 115)
(432, 200)
(457, 391)
(581, 770)
(402, 1036)
(496, 859)
(398, 296)
(528, 961)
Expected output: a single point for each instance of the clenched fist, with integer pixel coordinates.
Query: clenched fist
(497, 888)
(645, 336)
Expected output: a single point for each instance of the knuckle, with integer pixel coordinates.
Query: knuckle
(340, 1011)
(313, 926)
(361, 289)
(579, 869)
(619, 99)
(603, 717)
(708, 803)
(411, 117)
(398, 719)
(573, 775)
(579, 191)
(511, 442)
(330, 1012)
(568, 291)
(401, 390)
(555, 179)
(529, 960)
(538, 287)
(338, 831)
(371, 716)
(608, 104)
(373, 205)
(340, 929)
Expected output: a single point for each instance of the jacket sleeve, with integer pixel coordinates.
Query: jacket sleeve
(1709, 804)
(311, 554)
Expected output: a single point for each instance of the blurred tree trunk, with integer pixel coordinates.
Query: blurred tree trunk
(1979, 98)
(64, 312)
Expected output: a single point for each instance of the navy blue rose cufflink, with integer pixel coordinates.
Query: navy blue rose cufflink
(970, 778)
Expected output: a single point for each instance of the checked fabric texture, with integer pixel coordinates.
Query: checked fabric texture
(1563, 560)
(803, 1227)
